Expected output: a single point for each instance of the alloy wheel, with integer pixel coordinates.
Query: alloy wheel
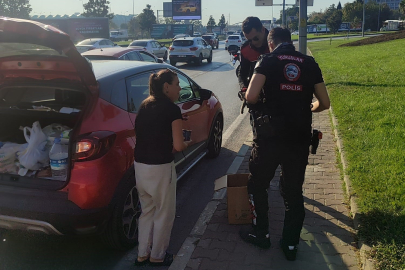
(131, 213)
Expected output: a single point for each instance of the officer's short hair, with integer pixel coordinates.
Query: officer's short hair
(279, 35)
(251, 23)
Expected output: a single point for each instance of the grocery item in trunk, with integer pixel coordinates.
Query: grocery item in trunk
(35, 156)
(59, 160)
(8, 157)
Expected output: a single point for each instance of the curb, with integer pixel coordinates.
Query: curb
(366, 263)
(184, 254)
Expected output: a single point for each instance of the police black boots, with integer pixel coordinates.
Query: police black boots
(256, 238)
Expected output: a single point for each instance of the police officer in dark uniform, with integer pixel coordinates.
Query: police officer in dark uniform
(252, 48)
(283, 134)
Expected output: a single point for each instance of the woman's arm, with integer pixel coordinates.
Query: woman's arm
(177, 132)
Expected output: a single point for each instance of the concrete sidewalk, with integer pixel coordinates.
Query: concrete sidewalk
(327, 238)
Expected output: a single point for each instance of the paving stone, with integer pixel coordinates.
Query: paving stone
(204, 243)
(199, 252)
(193, 264)
(227, 245)
(207, 264)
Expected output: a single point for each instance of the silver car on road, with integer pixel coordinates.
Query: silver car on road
(190, 49)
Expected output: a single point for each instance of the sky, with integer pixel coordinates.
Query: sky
(234, 10)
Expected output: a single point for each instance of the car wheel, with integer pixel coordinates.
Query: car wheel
(199, 60)
(215, 141)
(173, 63)
(165, 56)
(210, 58)
(122, 229)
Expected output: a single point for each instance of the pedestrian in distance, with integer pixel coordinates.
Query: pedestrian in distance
(290, 79)
(158, 128)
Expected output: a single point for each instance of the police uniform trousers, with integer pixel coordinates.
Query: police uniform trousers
(265, 157)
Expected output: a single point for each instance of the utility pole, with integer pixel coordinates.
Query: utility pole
(302, 42)
(133, 8)
(364, 17)
(283, 17)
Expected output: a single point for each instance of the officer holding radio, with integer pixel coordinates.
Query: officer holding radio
(289, 80)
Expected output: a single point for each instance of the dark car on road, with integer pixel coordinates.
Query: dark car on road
(212, 40)
(119, 53)
(43, 78)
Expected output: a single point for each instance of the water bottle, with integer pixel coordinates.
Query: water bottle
(59, 160)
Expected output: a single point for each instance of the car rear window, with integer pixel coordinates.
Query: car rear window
(207, 37)
(139, 43)
(233, 37)
(13, 49)
(183, 43)
(87, 42)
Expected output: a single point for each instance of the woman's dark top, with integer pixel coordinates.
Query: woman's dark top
(153, 127)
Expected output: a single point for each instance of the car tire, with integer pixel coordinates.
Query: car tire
(199, 60)
(209, 59)
(121, 232)
(165, 56)
(173, 63)
(215, 140)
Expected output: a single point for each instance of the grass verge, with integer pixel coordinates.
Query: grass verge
(367, 90)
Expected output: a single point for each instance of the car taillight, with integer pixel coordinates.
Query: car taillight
(193, 48)
(94, 145)
(226, 40)
(239, 40)
(145, 49)
(171, 48)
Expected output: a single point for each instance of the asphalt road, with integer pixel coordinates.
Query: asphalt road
(195, 190)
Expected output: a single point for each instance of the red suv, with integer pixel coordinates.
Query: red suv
(212, 40)
(44, 78)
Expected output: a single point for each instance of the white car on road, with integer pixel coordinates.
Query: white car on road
(94, 43)
(190, 49)
(233, 40)
(152, 46)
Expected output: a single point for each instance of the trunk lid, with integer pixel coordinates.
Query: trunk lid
(32, 50)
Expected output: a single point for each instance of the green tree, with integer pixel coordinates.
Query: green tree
(222, 23)
(147, 18)
(134, 26)
(197, 26)
(402, 7)
(317, 18)
(97, 8)
(211, 23)
(334, 21)
(124, 26)
(339, 6)
(112, 24)
(15, 8)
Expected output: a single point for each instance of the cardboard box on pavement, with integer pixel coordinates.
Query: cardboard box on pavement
(238, 200)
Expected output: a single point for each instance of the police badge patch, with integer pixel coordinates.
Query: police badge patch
(292, 72)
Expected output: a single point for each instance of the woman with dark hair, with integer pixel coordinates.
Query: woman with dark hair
(158, 128)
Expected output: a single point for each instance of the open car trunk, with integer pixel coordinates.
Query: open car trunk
(56, 109)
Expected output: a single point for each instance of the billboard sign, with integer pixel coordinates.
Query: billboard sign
(309, 3)
(186, 9)
(160, 31)
(167, 9)
(264, 3)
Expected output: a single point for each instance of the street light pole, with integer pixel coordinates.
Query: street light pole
(283, 17)
(133, 8)
(302, 42)
(364, 17)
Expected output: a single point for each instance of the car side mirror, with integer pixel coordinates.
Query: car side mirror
(160, 61)
(205, 94)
